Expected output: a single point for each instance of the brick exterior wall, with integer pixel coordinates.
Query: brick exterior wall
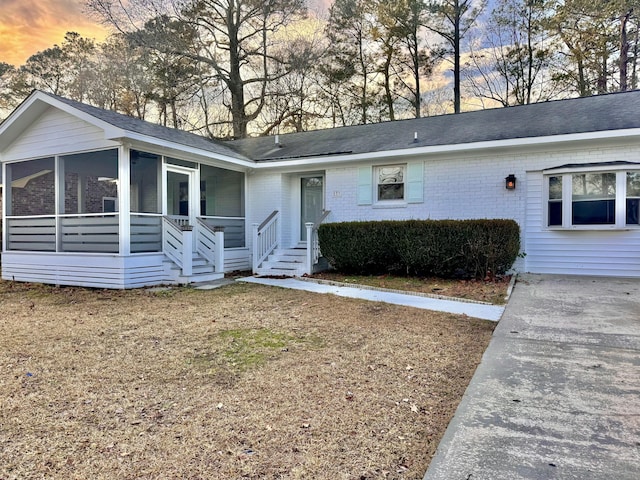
(472, 186)
(37, 198)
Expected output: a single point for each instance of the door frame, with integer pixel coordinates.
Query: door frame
(193, 185)
(297, 204)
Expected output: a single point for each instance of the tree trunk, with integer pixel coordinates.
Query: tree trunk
(236, 85)
(416, 75)
(387, 82)
(624, 50)
(456, 59)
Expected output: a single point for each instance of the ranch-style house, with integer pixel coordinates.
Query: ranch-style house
(95, 198)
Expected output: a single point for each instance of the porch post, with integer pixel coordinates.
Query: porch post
(59, 186)
(254, 245)
(309, 227)
(187, 250)
(6, 206)
(124, 200)
(219, 252)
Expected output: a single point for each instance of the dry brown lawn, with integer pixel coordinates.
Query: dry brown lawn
(241, 382)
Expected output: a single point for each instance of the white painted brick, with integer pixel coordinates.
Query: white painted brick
(463, 187)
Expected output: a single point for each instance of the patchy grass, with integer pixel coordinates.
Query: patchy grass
(241, 382)
(491, 290)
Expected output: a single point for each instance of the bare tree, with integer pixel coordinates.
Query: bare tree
(125, 81)
(452, 20)
(405, 60)
(232, 37)
(351, 59)
(512, 68)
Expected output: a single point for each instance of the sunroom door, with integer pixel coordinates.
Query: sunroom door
(182, 196)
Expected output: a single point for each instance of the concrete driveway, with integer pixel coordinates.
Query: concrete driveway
(557, 394)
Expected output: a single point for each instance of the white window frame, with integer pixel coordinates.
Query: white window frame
(567, 197)
(376, 177)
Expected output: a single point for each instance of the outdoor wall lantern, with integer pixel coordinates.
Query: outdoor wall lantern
(510, 182)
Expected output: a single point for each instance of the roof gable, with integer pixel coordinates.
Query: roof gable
(115, 125)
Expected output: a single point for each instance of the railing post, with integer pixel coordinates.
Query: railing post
(254, 242)
(219, 252)
(309, 227)
(187, 250)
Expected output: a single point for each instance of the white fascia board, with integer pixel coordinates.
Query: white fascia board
(127, 136)
(315, 162)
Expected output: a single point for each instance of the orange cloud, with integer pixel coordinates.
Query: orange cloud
(30, 26)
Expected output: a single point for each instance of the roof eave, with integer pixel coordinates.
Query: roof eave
(310, 161)
(126, 135)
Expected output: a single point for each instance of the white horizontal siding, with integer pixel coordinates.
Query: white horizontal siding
(576, 252)
(56, 132)
(237, 259)
(98, 271)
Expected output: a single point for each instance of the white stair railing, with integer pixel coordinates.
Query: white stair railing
(210, 244)
(176, 244)
(313, 244)
(265, 239)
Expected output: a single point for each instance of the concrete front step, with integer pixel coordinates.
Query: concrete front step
(294, 252)
(199, 278)
(279, 272)
(287, 262)
(282, 263)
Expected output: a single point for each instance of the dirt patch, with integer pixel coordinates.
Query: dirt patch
(491, 291)
(245, 381)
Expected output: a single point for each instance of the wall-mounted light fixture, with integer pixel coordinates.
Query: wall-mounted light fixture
(510, 182)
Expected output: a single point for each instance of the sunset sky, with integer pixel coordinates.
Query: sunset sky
(30, 26)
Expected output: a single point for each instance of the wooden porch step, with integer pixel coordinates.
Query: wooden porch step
(202, 271)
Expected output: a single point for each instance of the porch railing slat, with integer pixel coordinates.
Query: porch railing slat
(265, 238)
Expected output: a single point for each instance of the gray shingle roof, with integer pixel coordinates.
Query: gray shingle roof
(152, 130)
(560, 117)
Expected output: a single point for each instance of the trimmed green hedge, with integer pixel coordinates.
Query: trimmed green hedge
(445, 248)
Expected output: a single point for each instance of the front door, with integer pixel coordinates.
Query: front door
(311, 202)
(182, 198)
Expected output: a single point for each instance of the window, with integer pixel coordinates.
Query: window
(593, 199)
(145, 179)
(633, 198)
(88, 178)
(555, 201)
(598, 199)
(221, 192)
(390, 182)
(31, 187)
(391, 186)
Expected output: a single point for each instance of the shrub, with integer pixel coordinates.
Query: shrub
(447, 248)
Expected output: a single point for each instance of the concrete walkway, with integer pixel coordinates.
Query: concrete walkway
(476, 310)
(557, 394)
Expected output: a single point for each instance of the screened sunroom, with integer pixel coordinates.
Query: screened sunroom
(121, 217)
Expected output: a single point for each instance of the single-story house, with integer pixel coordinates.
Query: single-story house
(95, 198)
